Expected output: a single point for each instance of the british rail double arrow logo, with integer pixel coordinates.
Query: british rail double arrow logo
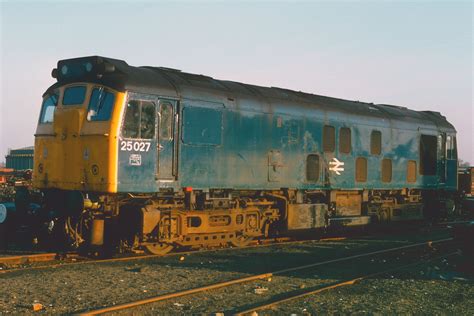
(336, 166)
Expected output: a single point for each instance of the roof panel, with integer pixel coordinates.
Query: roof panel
(167, 81)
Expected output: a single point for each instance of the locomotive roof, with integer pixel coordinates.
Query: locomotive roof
(171, 82)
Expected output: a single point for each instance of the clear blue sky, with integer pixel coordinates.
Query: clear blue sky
(414, 54)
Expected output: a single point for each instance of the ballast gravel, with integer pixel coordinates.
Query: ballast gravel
(79, 288)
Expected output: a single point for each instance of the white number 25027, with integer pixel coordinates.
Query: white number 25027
(129, 145)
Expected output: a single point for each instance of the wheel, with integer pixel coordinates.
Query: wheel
(242, 241)
(158, 248)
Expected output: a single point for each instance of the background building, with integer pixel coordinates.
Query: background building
(20, 159)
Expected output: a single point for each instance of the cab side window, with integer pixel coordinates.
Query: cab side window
(451, 150)
(48, 108)
(140, 120)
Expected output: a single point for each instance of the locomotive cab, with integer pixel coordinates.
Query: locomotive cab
(75, 138)
(92, 137)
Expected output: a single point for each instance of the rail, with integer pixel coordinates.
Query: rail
(28, 258)
(251, 278)
(333, 286)
(81, 260)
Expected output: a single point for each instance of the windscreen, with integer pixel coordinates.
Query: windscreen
(100, 105)
(74, 95)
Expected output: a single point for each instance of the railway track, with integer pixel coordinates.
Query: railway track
(56, 260)
(269, 275)
(349, 282)
(28, 258)
(75, 259)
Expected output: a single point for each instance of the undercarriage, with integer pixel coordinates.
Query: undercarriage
(158, 223)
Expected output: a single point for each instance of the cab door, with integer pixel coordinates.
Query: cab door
(442, 158)
(166, 166)
(137, 156)
(451, 162)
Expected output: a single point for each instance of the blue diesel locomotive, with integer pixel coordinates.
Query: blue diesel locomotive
(154, 158)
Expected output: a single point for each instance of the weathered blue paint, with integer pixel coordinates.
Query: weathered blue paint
(137, 167)
(237, 140)
(137, 170)
(166, 140)
(242, 161)
(230, 144)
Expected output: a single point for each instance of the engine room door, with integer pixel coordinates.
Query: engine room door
(166, 137)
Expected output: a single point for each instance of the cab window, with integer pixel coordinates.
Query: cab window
(74, 95)
(47, 109)
(100, 105)
(140, 120)
(451, 151)
(166, 122)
